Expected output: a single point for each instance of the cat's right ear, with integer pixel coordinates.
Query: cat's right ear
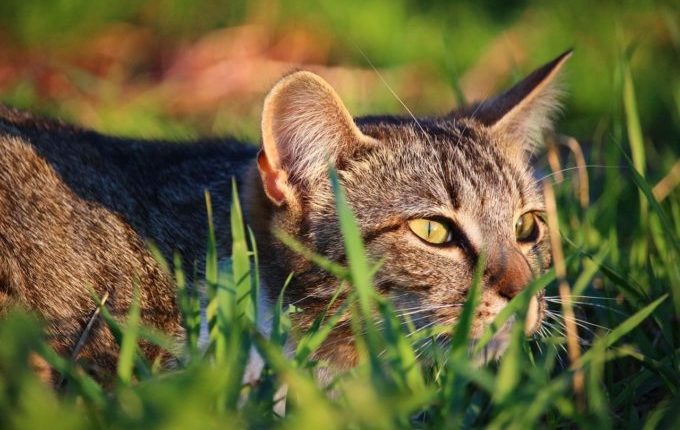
(305, 126)
(519, 116)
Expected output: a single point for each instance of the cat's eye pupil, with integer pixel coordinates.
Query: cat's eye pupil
(526, 228)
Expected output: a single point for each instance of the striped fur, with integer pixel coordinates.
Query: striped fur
(77, 208)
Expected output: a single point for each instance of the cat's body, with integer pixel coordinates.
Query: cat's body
(77, 208)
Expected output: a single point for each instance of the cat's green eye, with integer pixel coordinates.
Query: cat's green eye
(526, 227)
(430, 231)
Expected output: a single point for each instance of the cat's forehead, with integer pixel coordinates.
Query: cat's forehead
(455, 165)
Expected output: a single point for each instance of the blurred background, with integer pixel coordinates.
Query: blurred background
(186, 68)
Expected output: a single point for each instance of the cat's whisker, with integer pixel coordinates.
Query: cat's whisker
(538, 345)
(580, 296)
(579, 321)
(473, 115)
(594, 305)
(379, 321)
(584, 323)
(559, 356)
(569, 169)
(387, 85)
(426, 326)
(396, 96)
(584, 303)
(555, 328)
(416, 309)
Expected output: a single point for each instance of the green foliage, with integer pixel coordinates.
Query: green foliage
(404, 380)
(623, 251)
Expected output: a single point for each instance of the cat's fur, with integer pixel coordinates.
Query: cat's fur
(76, 208)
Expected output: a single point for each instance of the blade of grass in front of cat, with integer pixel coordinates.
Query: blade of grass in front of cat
(329, 266)
(246, 292)
(520, 301)
(128, 345)
(399, 351)
(312, 407)
(510, 372)
(625, 327)
(190, 308)
(84, 384)
(211, 279)
(356, 257)
(454, 383)
(255, 276)
(513, 360)
(118, 332)
(360, 273)
(461, 333)
(281, 323)
(321, 327)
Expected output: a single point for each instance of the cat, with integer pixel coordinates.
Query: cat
(77, 209)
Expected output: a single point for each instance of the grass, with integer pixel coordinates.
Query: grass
(620, 243)
(629, 360)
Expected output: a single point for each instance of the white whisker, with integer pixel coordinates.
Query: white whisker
(588, 166)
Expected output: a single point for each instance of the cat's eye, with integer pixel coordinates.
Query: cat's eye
(431, 231)
(526, 227)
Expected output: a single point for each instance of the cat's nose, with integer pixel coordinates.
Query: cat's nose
(509, 273)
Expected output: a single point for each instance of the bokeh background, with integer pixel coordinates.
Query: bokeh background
(185, 68)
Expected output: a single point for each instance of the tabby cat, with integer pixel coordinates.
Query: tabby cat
(77, 209)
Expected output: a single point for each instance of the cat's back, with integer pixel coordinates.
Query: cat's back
(158, 187)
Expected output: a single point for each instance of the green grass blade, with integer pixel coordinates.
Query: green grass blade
(331, 267)
(190, 307)
(246, 293)
(281, 323)
(461, 334)
(361, 277)
(128, 346)
(672, 258)
(520, 301)
(625, 327)
(360, 270)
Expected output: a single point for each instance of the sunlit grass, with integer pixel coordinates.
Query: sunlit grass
(621, 246)
(630, 368)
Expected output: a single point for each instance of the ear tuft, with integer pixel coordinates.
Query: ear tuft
(520, 115)
(305, 126)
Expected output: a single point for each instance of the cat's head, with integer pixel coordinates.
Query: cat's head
(430, 195)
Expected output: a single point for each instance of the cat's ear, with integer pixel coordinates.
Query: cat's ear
(519, 116)
(305, 126)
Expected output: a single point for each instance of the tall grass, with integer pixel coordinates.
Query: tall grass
(622, 261)
(627, 324)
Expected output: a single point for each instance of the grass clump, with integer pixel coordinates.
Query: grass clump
(628, 329)
(619, 236)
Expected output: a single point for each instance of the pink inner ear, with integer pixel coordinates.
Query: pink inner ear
(271, 179)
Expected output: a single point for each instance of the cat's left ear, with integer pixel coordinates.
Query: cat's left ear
(305, 126)
(519, 116)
